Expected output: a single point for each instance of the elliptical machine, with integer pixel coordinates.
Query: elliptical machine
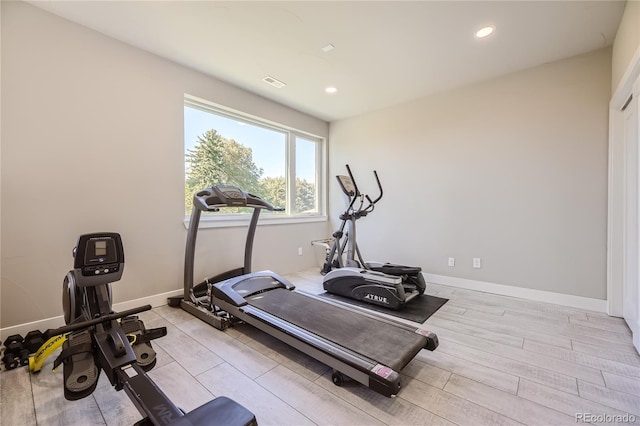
(97, 338)
(384, 284)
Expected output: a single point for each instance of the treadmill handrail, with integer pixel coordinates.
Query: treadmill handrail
(213, 199)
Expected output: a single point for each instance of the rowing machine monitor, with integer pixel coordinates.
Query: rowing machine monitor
(99, 259)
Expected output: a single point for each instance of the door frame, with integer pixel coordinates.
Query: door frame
(616, 194)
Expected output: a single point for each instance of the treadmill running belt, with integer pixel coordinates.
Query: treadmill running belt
(385, 343)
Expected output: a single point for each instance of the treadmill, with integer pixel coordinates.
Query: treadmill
(358, 345)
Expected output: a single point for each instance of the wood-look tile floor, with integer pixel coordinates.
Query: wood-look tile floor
(501, 361)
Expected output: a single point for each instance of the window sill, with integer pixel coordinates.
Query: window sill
(230, 221)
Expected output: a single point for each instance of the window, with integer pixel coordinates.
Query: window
(284, 166)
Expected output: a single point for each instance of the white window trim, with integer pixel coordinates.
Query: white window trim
(219, 220)
(230, 221)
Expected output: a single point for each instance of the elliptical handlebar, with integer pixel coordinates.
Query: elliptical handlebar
(375, 173)
(353, 180)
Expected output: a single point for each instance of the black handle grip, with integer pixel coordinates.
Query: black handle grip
(355, 185)
(379, 187)
(105, 318)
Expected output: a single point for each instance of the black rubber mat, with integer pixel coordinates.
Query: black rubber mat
(417, 310)
(393, 346)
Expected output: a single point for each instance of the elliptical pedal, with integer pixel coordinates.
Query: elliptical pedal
(409, 288)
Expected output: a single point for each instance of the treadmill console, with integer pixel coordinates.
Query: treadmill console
(99, 259)
(221, 196)
(230, 195)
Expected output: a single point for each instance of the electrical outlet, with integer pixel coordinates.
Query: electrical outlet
(477, 263)
(299, 251)
(452, 261)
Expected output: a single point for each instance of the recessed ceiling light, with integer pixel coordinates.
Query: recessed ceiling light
(485, 31)
(330, 89)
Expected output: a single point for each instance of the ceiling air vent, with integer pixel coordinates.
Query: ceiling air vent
(274, 82)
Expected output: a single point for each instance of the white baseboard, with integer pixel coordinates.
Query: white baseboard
(55, 322)
(505, 290)
(581, 302)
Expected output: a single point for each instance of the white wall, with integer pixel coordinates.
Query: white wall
(512, 170)
(92, 139)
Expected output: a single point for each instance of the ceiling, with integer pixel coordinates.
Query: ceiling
(386, 52)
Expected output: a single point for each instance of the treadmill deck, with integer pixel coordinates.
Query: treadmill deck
(386, 343)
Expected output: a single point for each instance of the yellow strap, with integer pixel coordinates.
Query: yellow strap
(37, 360)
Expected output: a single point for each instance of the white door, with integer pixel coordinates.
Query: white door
(631, 277)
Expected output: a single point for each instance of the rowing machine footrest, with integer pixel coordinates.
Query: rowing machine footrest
(80, 371)
(141, 344)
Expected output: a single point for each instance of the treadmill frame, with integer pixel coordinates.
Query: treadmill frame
(368, 372)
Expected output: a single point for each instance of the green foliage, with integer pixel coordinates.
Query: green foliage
(305, 196)
(274, 189)
(218, 160)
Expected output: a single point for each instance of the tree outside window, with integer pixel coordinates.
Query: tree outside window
(220, 149)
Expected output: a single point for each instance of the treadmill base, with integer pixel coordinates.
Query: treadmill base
(221, 323)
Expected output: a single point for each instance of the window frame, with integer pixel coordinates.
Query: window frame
(221, 219)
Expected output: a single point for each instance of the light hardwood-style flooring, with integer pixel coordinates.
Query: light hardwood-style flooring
(501, 361)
